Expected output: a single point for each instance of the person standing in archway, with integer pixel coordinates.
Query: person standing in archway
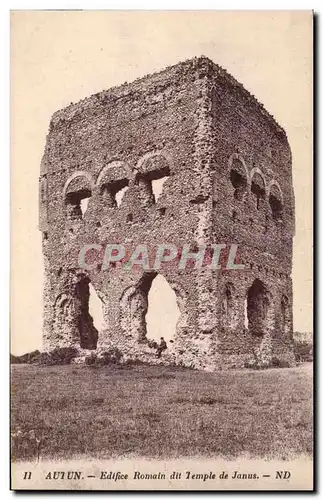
(162, 347)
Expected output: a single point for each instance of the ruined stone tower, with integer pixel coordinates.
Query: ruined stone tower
(228, 179)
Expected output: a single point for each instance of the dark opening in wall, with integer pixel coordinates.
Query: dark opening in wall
(129, 218)
(258, 190)
(276, 207)
(257, 308)
(88, 333)
(77, 202)
(113, 192)
(150, 309)
(151, 184)
(238, 179)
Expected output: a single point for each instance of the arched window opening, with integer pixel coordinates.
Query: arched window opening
(257, 308)
(113, 192)
(238, 179)
(258, 190)
(276, 205)
(151, 184)
(77, 203)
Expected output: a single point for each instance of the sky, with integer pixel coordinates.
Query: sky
(59, 57)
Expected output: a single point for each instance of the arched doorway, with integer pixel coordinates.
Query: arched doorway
(149, 310)
(163, 312)
(258, 302)
(88, 333)
(73, 323)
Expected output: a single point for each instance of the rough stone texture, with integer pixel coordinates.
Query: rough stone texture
(229, 180)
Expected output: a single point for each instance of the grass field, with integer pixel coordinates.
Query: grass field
(152, 411)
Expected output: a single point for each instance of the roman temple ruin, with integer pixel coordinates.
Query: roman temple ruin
(225, 167)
